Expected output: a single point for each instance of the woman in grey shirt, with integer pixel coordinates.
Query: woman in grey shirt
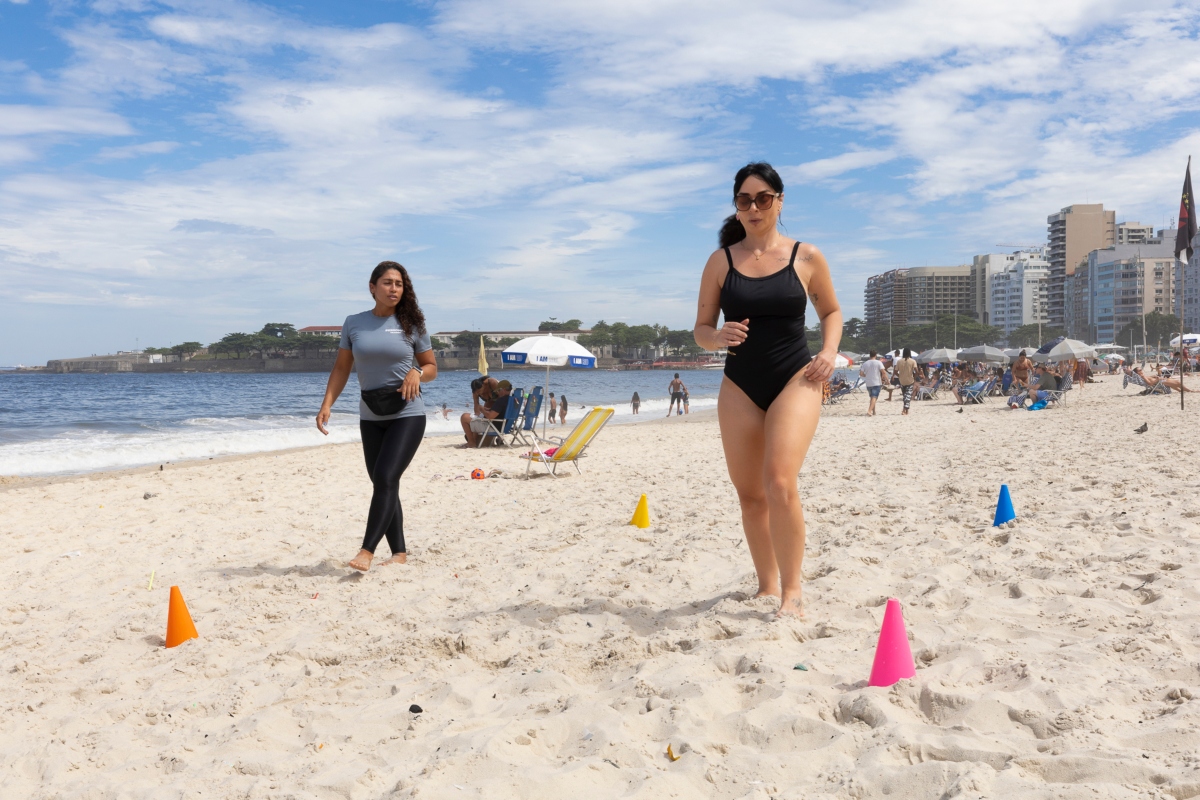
(391, 351)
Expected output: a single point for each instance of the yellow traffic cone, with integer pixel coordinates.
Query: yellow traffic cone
(641, 517)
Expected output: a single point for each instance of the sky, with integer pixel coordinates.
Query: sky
(175, 171)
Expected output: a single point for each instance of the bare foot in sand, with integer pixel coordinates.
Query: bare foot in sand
(766, 591)
(362, 561)
(791, 606)
(397, 558)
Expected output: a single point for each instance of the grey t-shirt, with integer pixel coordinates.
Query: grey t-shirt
(383, 356)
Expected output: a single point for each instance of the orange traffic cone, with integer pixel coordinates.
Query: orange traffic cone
(180, 627)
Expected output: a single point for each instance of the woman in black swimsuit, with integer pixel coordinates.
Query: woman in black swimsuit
(770, 398)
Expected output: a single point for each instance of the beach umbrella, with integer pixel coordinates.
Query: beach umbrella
(1189, 339)
(548, 351)
(990, 355)
(1110, 346)
(482, 357)
(1115, 357)
(841, 361)
(937, 355)
(1069, 349)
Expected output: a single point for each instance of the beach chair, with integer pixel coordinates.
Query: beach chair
(1059, 396)
(1136, 380)
(570, 448)
(835, 396)
(525, 431)
(501, 428)
(976, 392)
(931, 392)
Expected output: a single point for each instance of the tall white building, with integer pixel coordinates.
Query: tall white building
(1134, 233)
(1017, 290)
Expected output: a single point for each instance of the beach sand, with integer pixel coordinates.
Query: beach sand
(557, 651)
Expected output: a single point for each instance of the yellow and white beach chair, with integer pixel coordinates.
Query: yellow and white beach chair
(572, 447)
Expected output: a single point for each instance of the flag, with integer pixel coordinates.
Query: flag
(1187, 215)
(482, 357)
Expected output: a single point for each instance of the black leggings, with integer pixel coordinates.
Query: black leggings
(389, 446)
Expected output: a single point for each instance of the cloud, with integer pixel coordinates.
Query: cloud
(215, 226)
(136, 150)
(28, 120)
(825, 168)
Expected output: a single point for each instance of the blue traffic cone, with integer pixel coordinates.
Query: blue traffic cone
(1004, 507)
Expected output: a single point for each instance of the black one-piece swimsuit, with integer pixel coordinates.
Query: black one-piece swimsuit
(775, 348)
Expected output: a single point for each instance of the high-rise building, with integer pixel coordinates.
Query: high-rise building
(917, 295)
(1126, 281)
(1072, 234)
(1017, 292)
(1133, 233)
(1187, 288)
(984, 267)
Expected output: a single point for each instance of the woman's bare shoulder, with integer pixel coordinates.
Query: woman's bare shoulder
(807, 251)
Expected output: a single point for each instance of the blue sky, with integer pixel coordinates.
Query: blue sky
(175, 171)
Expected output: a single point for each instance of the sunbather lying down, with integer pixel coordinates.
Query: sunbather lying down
(1150, 380)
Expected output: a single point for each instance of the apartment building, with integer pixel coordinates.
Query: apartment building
(1187, 288)
(1017, 292)
(918, 295)
(1133, 233)
(1123, 282)
(1073, 233)
(984, 266)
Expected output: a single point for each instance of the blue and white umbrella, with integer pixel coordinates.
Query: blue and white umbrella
(549, 351)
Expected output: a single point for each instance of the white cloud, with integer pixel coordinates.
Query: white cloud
(136, 150)
(824, 168)
(27, 120)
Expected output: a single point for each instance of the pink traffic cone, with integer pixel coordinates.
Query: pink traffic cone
(893, 656)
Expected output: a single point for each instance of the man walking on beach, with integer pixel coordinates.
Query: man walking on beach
(1020, 371)
(676, 389)
(875, 373)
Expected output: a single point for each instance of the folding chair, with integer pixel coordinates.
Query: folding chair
(572, 447)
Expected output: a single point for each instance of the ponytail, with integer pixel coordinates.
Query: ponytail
(732, 232)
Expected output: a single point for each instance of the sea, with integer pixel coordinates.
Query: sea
(77, 423)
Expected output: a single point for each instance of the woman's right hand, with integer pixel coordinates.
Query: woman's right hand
(322, 419)
(731, 334)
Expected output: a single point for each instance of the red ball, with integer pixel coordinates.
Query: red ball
(477, 474)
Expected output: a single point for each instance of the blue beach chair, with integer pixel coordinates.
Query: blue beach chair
(526, 431)
(504, 428)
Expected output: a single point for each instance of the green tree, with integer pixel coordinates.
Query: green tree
(467, 340)
(236, 343)
(186, 349)
(1159, 328)
(280, 330)
(553, 324)
(1026, 336)
(437, 343)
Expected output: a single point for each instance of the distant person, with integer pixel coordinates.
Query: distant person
(562, 409)
(445, 411)
(873, 374)
(483, 390)
(686, 408)
(675, 389)
(908, 371)
(770, 399)
(635, 403)
(1020, 370)
(496, 408)
(1171, 383)
(389, 348)
(551, 409)
(889, 366)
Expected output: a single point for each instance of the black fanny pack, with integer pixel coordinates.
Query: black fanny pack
(384, 401)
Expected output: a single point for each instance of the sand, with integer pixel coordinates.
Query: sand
(556, 651)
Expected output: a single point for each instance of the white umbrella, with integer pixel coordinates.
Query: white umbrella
(549, 351)
(1114, 357)
(1189, 339)
(983, 352)
(1069, 349)
(840, 361)
(937, 355)
(1109, 346)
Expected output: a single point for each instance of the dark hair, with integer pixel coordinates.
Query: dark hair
(676, 374)
(732, 230)
(907, 353)
(476, 385)
(636, 399)
(408, 311)
(872, 354)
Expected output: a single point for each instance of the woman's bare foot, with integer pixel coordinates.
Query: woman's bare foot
(766, 592)
(791, 606)
(362, 561)
(397, 558)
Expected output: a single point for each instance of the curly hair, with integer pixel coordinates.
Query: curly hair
(408, 311)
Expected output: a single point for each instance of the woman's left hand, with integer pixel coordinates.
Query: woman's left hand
(412, 385)
(820, 369)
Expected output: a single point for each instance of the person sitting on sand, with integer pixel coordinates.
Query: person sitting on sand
(391, 351)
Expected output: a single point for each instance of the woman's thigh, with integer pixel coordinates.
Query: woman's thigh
(790, 424)
(742, 438)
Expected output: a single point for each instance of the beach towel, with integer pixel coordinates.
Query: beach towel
(1038, 406)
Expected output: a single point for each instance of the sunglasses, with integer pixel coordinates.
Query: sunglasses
(762, 201)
